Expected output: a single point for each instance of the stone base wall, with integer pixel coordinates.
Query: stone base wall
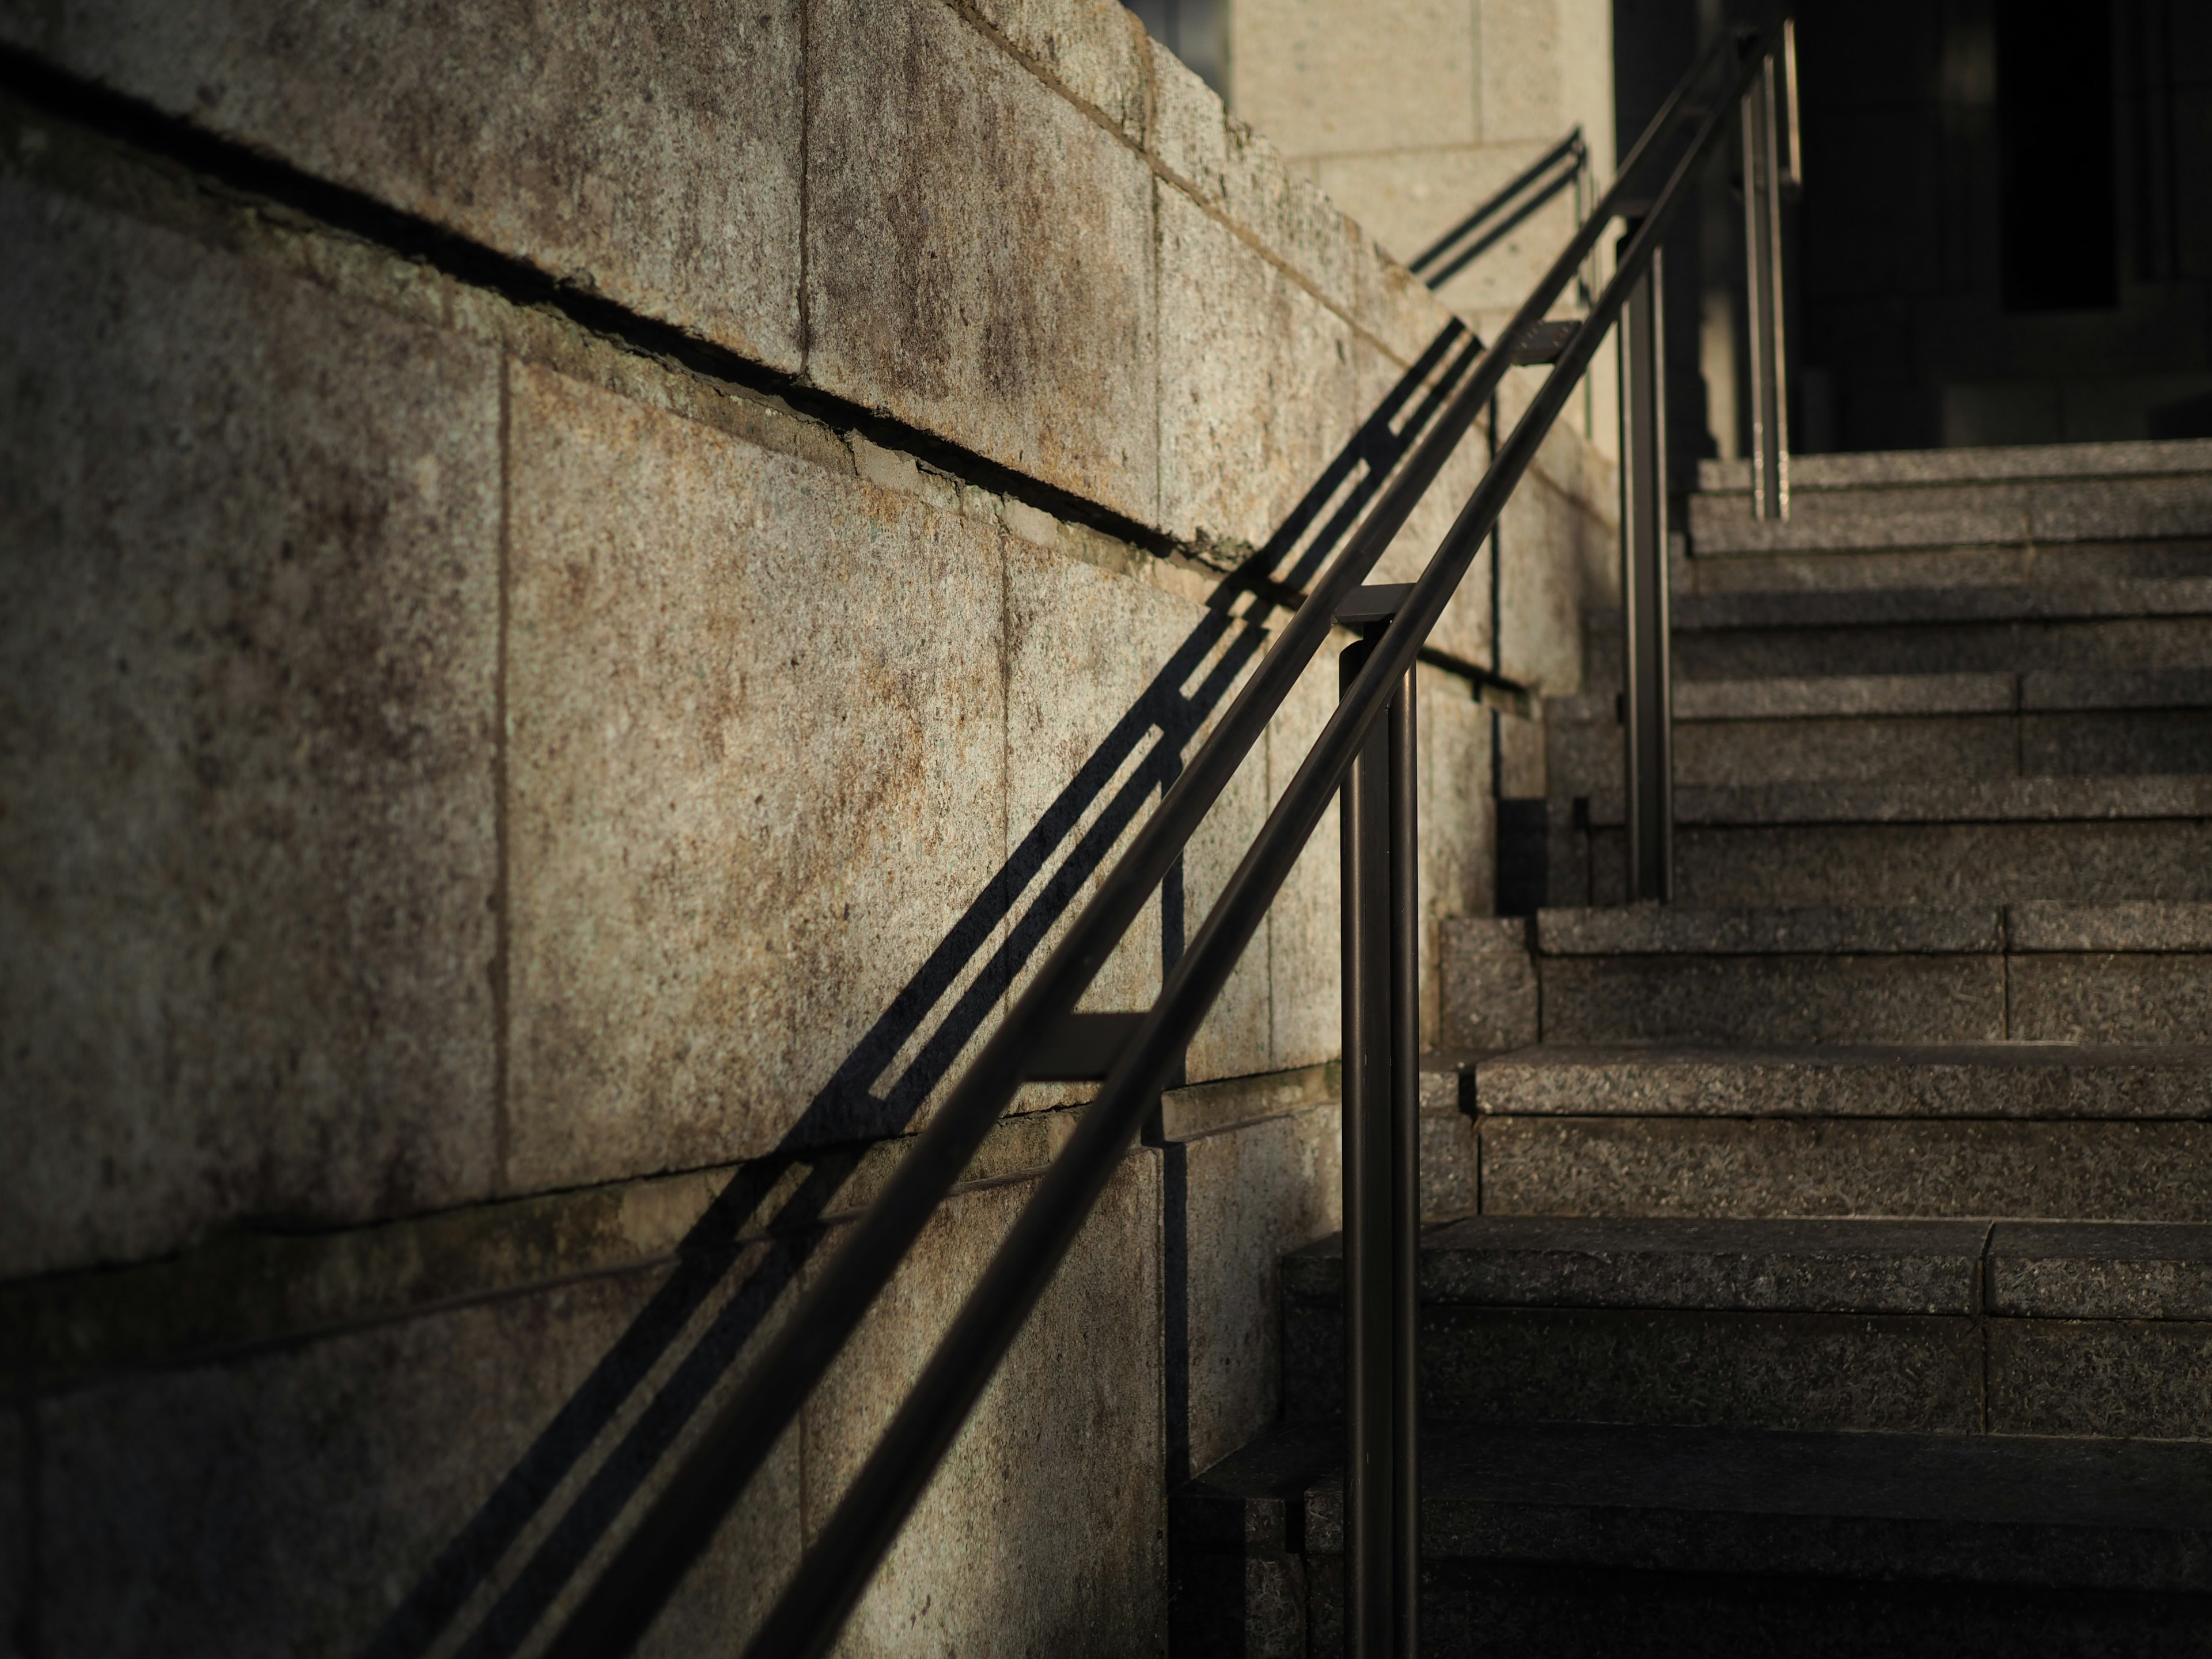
(577, 607)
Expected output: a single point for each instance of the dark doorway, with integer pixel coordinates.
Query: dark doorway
(2058, 209)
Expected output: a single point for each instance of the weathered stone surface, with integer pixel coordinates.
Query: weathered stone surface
(1811, 865)
(2119, 742)
(1806, 1267)
(1903, 468)
(1236, 1201)
(1793, 1371)
(2043, 925)
(1489, 984)
(1736, 754)
(2142, 638)
(980, 254)
(1110, 685)
(1401, 78)
(1836, 696)
(249, 642)
(1556, 556)
(1773, 999)
(1950, 1509)
(2110, 998)
(1962, 1080)
(757, 761)
(1765, 1266)
(1456, 816)
(1464, 630)
(406, 1480)
(1305, 924)
(2116, 688)
(650, 155)
(2086, 1270)
(1259, 383)
(1964, 800)
(1651, 928)
(1097, 52)
(1044, 1528)
(1845, 1167)
(1204, 1109)
(2150, 1379)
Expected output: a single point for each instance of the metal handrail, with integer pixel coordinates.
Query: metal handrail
(679, 1523)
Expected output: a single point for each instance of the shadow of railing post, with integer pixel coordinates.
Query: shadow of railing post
(849, 1105)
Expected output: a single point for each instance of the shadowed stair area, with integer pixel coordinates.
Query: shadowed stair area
(1837, 1273)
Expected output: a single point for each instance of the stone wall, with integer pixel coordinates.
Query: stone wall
(1411, 113)
(578, 603)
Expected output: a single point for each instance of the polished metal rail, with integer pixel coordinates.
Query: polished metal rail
(1380, 1026)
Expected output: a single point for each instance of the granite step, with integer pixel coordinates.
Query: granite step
(1962, 1327)
(2081, 722)
(1544, 1539)
(1957, 841)
(2114, 623)
(2029, 495)
(2034, 971)
(2056, 1130)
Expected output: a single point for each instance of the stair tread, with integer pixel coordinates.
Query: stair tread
(2130, 1514)
(2075, 1270)
(2028, 925)
(1950, 800)
(2028, 1080)
(1851, 697)
(1903, 468)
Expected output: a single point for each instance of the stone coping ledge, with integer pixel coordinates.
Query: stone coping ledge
(1962, 1080)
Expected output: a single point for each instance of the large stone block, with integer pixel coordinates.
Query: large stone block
(1097, 52)
(1259, 383)
(1236, 1200)
(1490, 990)
(1111, 685)
(650, 155)
(1739, 1167)
(757, 762)
(367, 1493)
(1328, 78)
(980, 254)
(1456, 817)
(248, 618)
(1044, 1530)
(1464, 630)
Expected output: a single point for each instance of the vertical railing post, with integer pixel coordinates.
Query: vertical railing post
(1647, 711)
(1762, 241)
(1381, 1168)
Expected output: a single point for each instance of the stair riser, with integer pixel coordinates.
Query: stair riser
(1877, 998)
(1958, 515)
(1484, 1607)
(1910, 1374)
(1758, 1167)
(1804, 865)
(2072, 565)
(1585, 759)
(1942, 648)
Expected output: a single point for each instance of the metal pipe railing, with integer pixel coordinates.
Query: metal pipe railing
(678, 1524)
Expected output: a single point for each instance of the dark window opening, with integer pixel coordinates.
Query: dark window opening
(2055, 144)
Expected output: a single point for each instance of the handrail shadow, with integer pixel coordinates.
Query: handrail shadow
(1223, 643)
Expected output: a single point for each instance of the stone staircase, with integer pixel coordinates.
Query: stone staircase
(1840, 1281)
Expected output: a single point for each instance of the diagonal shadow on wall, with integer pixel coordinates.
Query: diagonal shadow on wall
(1092, 811)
